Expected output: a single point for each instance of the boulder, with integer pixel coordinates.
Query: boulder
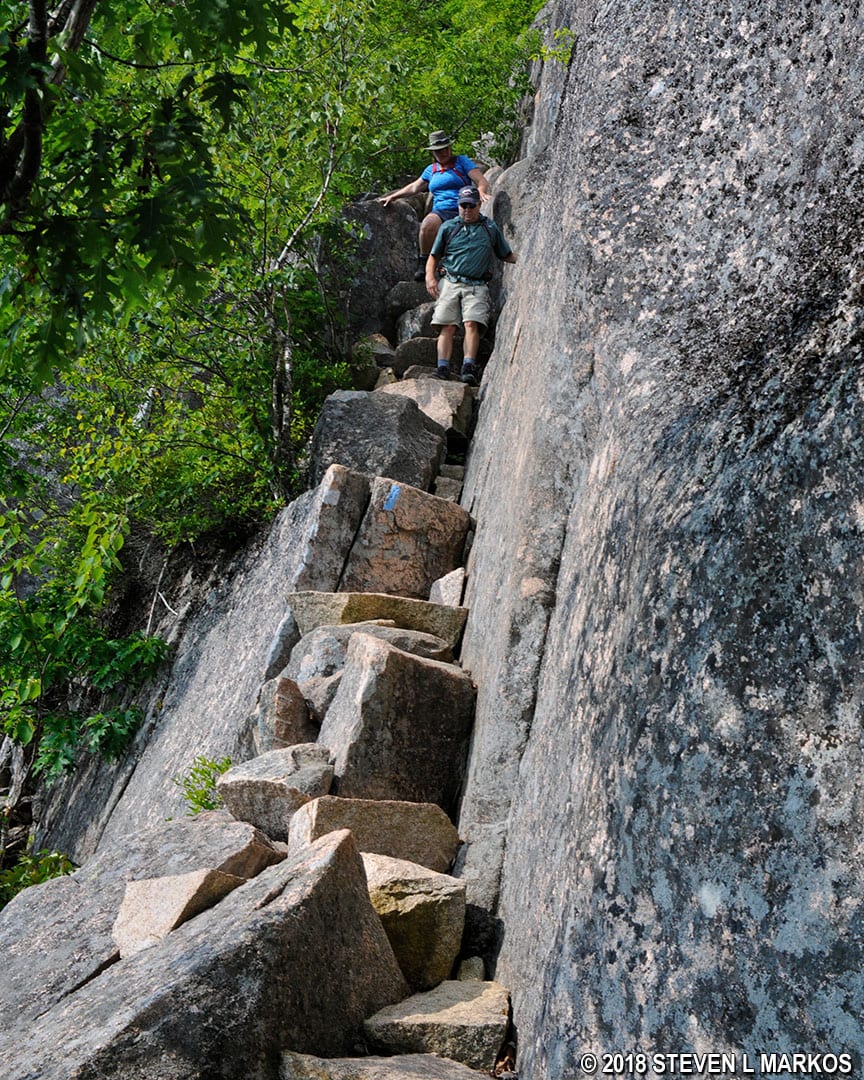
(386, 254)
(57, 936)
(267, 790)
(399, 725)
(379, 435)
(386, 376)
(418, 371)
(312, 609)
(450, 404)
(154, 907)
(416, 322)
(226, 992)
(445, 488)
(319, 692)
(283, 641)
(448, 589)
(322, 652)
(283, 717)
(421, 352)
(465, 1021)
(402, 1067)
(365, 377)
(417, 832)
(407, 540)
(374, 350)
(340, 501)
(404, 296)
(423, 914)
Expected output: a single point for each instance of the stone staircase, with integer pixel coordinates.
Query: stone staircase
(358, 750)
(375, 670)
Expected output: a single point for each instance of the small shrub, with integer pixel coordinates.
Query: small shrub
(199, 784)
(32, 869)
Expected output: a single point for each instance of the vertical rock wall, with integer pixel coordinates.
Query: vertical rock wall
(666, 584)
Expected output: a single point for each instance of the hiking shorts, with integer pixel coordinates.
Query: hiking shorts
(458, 303)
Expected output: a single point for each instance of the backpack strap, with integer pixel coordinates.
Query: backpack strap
(460, 225)
(437, 167)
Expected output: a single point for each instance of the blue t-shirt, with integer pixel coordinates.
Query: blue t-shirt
(444, 183)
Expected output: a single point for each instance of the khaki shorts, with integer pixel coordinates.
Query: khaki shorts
(458, 303)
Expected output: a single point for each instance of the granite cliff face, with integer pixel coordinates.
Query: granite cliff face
(664, 806)
(666, 583)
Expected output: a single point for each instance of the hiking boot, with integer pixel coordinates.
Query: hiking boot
(420, 273)
(442, 371)
(469, 375)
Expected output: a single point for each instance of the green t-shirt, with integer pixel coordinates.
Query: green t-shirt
(470, 250)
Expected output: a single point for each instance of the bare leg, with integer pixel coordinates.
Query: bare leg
(429, 227)
(472, 339)
(445, 344)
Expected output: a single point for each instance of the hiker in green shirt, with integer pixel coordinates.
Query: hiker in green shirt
(463, 252)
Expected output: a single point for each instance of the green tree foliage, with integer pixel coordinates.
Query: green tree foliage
(170, 174)
(32, 869)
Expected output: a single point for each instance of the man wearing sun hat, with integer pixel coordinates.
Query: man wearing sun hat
(464, 252)
(447, 173)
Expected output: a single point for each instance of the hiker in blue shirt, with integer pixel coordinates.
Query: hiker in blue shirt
(443, 178)
(464, 250)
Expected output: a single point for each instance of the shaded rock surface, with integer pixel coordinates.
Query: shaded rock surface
(379, 435)
(385, 256)
(213, 999)
(466, 1021)
(417, 832)
(57, 936)
(282, 718)
(399, 725)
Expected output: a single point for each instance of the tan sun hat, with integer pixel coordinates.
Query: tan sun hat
(439, 140)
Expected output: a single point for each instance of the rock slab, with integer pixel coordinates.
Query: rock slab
(417, 832)
(399, 726)
(57, 936)
(313, 609)
(423, 914)
(322, 652)
(407, 540)
(379, 435)
(465, 1021)
(267, 790)
(401, 1067)
(225, 993)
(154, 907)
